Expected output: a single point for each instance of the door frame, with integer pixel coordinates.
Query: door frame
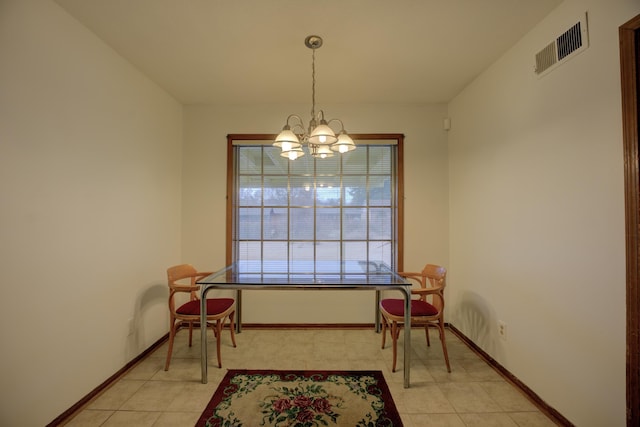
(629, 34)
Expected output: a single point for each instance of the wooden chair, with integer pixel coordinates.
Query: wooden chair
(182, 279)
(426, 311)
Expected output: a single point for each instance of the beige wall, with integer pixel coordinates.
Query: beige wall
(426, 203)
(90, 159)
(537, 216)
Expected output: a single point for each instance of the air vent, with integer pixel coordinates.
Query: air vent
(546, 58)
(564, 47)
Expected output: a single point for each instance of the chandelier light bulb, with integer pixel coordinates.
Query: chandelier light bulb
(344, 143)
(321, 151)
(293, 153)
(322, 134)
(286, 138)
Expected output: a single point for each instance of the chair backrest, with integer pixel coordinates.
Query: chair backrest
(436, 277)
(181, 272)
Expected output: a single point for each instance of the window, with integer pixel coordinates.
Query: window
(302, 216)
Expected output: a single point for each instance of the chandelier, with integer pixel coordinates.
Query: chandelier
(319, 138)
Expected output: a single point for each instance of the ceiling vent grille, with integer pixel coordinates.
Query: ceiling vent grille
(564, 47)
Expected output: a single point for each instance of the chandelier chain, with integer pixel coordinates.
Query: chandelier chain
(313, 87)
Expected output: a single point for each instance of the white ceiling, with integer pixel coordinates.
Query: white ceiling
(252, 51)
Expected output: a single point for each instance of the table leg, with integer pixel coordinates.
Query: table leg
(407, 335)
(203, 335)
(238, 311)
(377, 319)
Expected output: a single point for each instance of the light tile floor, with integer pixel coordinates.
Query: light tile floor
(473, 394)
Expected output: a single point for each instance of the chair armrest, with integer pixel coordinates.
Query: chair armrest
(409, 274)
(428, 291)
(184, 288)
(203, 274)
(413, 278)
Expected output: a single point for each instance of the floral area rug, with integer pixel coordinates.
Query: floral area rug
(251, 398)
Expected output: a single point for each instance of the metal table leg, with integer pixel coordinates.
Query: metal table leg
(203, 334)
(407, 335)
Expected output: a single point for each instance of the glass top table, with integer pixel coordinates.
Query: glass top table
(329, 275)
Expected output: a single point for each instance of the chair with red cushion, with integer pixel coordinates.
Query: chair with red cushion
(182, 280)
(426, 311)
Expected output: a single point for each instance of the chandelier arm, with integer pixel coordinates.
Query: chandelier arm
(294, 116)
(299, 128)
(339, 121)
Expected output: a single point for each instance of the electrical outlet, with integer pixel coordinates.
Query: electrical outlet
(131, 327)
(502, 330)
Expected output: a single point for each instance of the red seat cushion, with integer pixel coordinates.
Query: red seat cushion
(214, 306)
(395, 307)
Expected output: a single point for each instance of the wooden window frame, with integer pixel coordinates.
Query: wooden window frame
(399, 138)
